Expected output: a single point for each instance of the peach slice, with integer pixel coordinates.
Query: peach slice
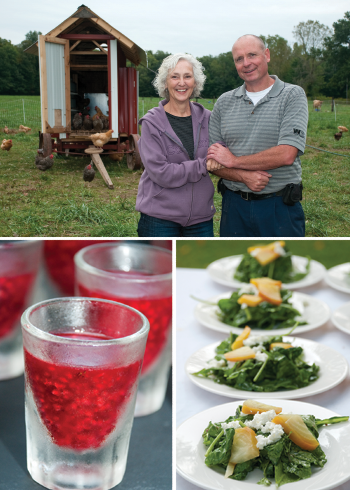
(239, 340)
(297, 431)
(265, 280)
(244, 446)
(253, 407)
(284, 345)
(270, 246)
(249, 299)
(265, 256)
(241, 354)
(270, 293)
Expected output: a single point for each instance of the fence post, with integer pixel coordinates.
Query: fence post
(332, 107)
(24, 114)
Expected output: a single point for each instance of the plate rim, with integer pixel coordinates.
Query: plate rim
(337, 325)
(289, 394)
(282, 331)
(331, 283)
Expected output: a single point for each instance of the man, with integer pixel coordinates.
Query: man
(257, 133)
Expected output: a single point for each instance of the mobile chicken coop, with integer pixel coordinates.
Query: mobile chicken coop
(83, 62)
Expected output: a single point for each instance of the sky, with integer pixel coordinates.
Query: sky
(199, 27)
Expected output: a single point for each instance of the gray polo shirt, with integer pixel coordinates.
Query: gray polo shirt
(279, 118)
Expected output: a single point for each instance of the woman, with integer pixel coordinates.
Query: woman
(175, 195)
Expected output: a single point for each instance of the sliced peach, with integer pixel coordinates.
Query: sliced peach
(270, 293)
(265, 280)
(249, 299)
(253, 407)
(265, 256)
(239, 340)
(270, 246)
(297, 431)
(284, 345)
(244, 446)
(241, 354)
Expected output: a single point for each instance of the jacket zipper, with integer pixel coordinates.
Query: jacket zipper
(194, 154)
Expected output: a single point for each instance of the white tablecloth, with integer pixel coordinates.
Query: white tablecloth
(191, 336)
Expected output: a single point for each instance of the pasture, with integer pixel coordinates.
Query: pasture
(59, 203)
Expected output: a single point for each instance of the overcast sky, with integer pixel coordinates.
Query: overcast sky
(199, 27)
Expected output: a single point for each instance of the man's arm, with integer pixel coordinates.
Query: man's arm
(277, 156)
(255, 180)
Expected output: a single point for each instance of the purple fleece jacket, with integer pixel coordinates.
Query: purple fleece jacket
(172, 186)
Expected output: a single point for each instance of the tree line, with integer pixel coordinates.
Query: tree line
(319, 61)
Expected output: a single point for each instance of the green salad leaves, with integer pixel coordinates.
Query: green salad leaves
(284, 369)
(280, 269)
(282, 460)
(264, 316)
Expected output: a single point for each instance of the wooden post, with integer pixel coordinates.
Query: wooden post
(332, 109)
(94, 153)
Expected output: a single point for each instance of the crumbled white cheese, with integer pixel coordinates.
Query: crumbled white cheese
(213, 363)
(248, 289)
(276, 432)
(279, 250)
(261, 356)
(255, 252)
(244, 305)
(231, 425)
(260, 419)
(258, 339)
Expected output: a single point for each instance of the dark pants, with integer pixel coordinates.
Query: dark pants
(262, 218)
(150, 226)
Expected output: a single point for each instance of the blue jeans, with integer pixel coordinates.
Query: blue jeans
(150, 226)
(262, 218)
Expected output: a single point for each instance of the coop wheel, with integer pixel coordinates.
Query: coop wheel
(133, 160)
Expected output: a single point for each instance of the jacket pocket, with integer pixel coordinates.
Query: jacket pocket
(172, 203)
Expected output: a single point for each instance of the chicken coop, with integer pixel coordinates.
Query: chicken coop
(83, 70)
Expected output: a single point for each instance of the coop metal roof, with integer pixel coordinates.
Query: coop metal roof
(83, 17)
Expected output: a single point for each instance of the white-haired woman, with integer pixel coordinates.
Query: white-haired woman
(175, 195)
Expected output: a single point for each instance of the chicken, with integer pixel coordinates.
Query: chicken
(87, 123)
(97, 124)
(6, 130)
(43, 163)
(77, 120)
(89, 173)
(342, 129)
(6, 145)
(24, 129)
(337, 136)
(105, 122)
(100, 139)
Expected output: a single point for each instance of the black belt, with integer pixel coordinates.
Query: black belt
(250, 196)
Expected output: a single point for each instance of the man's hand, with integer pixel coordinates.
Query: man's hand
(221, 154)
(256, 180)
(213, 165)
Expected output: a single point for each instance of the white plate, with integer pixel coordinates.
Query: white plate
(341, 317)
(338, 277)
(334, 440)
(316, 313)
(223, 270)
(333, 370)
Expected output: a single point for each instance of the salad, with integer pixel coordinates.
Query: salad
(284, 446)
(260, 363)
(262, 304)
(272, 260)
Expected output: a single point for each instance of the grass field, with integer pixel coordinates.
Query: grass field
(199, 254)
(59, 203)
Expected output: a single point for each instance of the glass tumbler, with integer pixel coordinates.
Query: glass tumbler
(140, 276)
(83, 358)
(19, 263)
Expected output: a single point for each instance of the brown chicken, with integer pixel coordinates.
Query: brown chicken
(89, 173)
(100, 139)
(99, 113)
(6, 130)
(97, 124)
(77, 121)
(337, 136)
(6, 145)
(24, 129)
(43, 163)
(87, 124)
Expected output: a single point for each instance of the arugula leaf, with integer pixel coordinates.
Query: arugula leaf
(280, 269)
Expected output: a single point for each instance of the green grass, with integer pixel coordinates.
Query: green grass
(200, 253)
(59, 203)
